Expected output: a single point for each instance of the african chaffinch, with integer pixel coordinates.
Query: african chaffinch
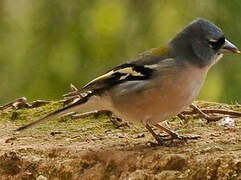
(159, 83)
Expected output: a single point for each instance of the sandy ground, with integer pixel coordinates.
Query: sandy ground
(93, 148)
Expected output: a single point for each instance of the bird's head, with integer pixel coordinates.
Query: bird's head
(200, 42)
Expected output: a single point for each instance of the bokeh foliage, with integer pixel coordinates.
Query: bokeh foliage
(47, 44)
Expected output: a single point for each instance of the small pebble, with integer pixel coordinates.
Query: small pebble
(41, 177)
(67, 139)
(226, 121)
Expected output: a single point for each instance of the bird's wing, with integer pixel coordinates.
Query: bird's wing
(141, 68)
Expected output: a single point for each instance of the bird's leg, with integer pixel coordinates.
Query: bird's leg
(158, 138)
(175, 135)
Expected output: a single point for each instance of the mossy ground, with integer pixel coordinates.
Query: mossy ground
(92, 148)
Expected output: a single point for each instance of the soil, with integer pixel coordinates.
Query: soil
(94, 149)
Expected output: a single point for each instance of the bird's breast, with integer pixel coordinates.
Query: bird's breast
(164, 98)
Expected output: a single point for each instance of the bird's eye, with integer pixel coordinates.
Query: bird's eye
(216, 43)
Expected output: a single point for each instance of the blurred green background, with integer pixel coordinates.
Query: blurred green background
(47, 44)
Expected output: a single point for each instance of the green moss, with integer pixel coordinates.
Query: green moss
(93, 124)
(28, 114)
(185, 131)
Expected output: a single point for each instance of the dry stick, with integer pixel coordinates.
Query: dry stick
(22, 103)
(181, 116)
(72, 96)
(203, 112)
(91, 113)
(74, 91)
(73, 88)
(115, 120)
(226, 112)
(15, 103)
(204, 115)
(38, 103)
(218, 111)
(218, 104)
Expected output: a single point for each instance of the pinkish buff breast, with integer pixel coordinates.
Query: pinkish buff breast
(161, 102)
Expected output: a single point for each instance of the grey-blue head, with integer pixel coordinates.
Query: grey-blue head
(199, 42)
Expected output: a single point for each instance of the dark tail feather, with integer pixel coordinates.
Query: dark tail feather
(57, 113)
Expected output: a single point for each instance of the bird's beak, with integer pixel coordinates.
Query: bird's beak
(229, 47)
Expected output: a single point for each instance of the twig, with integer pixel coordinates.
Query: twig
(74, 91)
(19, 102)
(181, 116)
(22, 103)
(72, 96)
(73, 88)
(38, 103)
(91, 113)
(213, 111)
(204, 115)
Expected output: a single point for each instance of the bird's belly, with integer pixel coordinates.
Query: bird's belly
(159, 103)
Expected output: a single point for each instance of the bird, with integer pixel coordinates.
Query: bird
(158, 84)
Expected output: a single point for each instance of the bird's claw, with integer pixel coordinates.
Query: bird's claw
(160, 142)
(166, 140)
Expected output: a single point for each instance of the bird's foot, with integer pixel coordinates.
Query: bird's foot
(174, 139)
(160, 142)
(172, 136)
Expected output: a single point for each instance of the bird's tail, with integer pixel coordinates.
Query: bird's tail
(71, 108)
